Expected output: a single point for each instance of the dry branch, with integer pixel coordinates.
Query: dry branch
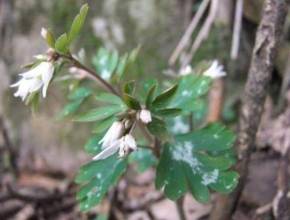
(267, 38)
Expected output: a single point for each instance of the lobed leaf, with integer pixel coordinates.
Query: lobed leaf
(190, 88)
(96, 180)
(190, 164)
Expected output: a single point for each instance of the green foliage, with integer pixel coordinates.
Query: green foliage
(190, 88)
(62, 44)
(80, 93)
(95, 180)
(192, 164)
(76, 98)
(131, 102)
(78, 23)
(143, 158)
(159, 129)
(99, 113)
(112, 67)
(164, 98)
(105, 63)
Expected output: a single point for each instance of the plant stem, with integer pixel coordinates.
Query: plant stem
(91, 73)
(179, 204)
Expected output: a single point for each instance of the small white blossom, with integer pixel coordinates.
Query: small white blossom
(145, 116)
(127, 144)
(185, 70)
(215, 70)
(34, 79)
(113, 134)
(124, 145)
(44, 33)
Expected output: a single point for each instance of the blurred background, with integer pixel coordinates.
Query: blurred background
(45, 153)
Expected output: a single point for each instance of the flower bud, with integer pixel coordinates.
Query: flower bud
(145, 116)
(127, 144)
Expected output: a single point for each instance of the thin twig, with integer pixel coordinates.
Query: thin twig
(237, 29)
(190, 29)
(180, 209)
(203, 33)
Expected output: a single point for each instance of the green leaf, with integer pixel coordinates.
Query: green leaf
(78, 23)
(144, 159)
(168, 112)
(62, 44)
(131, 102)
(164, 99)
(213, 137)
(70, 108)
(122, 65)
(129, 87)
(190, 88)
(226, 183)
(99, 113)
(95, 180)
(105, 63)
(92, 146)
(104, 124)
(158, 128)
(110, 98)
(190, 165)
(133, 55)
(80, 93)
(150, 96)
(178, 125)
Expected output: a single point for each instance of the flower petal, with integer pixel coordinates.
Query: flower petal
(109, 151)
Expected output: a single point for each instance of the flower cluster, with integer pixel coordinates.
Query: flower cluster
(115, 140)
(34, 79)
(38, 77)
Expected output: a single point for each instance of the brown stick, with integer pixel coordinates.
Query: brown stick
(280, 202)
(215, 102)
(267, 38)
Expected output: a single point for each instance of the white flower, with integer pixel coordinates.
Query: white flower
(145, 116)
(44, 33)
(185, 70)
(113, 134)
(34, 79)
(108, 151)
(215, 70)
(124, 145)
(127, 144)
